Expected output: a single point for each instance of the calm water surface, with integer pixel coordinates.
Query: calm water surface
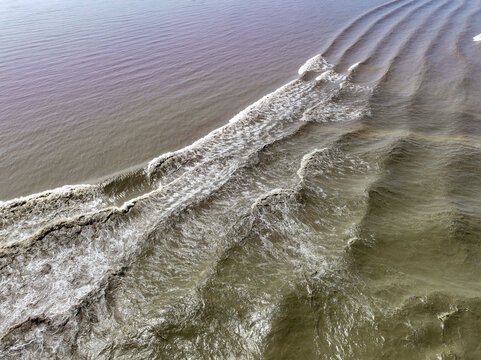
(88, 89)
(336, 217)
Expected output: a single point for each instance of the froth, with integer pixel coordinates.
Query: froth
(330, 75)
(353, 67)
(91, 245)
(316, 63)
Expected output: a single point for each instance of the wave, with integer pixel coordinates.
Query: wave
(353, 27)
(368, 42)
(313, 183)
(394, 45)
(74, 239)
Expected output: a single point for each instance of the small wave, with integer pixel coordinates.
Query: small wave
(330, 75)
(60, 191)
(477, 38)
(22, 217)
(316, 63)
(356, 26)
(353, 67)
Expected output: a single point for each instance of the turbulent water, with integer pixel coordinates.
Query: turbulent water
(338, 217)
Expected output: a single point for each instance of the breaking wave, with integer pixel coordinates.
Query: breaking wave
(334, 217)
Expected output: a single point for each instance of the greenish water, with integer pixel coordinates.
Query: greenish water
(335, 218)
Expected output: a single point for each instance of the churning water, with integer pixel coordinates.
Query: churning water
(337, 217)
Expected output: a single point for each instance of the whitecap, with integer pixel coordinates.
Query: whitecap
(316, 63)
(353, 67)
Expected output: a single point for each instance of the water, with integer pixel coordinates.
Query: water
(336, 217)
(97, 88)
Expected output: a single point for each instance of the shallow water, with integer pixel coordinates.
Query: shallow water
(337, 217)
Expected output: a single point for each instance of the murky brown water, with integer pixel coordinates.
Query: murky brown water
(338, 217)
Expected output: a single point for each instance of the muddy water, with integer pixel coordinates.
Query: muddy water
(337, 217)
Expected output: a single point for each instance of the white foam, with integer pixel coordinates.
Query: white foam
(323, 76)
(156, 161)
(315, 63)
(24, 216)
(237, 118)
(104, 246)
(331, 75)
(353, 67)
(63, 190)
(305, 161)
(65, 273)
(477, 38)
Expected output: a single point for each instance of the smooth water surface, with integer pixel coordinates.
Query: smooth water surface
(89, 88)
